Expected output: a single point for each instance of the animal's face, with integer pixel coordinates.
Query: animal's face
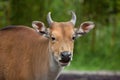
(61, 37)
(62, 41)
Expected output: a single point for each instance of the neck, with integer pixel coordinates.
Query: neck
(54, 67)
(44, 65)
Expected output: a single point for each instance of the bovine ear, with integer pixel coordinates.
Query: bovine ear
(40, 28)
(84, 28)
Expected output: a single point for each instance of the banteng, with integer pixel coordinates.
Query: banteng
(38, 53)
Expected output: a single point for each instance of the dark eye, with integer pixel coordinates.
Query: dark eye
(53, 38)
(74, 37)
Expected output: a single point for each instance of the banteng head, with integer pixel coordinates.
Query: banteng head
(61, 37)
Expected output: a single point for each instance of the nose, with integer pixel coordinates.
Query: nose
(65, 54)
(65, 57)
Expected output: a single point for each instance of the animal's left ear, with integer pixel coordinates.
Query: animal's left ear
(84, 28)
(40, 28)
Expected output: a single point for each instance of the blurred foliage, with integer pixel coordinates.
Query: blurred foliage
(98, 50)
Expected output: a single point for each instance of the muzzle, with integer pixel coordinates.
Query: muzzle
(65, 57)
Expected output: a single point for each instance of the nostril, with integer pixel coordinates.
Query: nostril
(65, 54)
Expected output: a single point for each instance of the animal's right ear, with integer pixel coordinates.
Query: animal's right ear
(40, 28)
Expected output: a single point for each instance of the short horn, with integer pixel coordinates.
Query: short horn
(49, 19)
(73, 20)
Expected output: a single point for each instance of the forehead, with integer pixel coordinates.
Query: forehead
(62, 28)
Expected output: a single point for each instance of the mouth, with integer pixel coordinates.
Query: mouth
(64, 61)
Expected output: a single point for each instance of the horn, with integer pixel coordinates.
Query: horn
(73, 20)
(49, 19)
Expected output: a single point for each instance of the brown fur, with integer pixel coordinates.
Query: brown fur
(23, 54)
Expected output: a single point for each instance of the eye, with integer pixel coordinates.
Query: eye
(53, 38)
(73, 37)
